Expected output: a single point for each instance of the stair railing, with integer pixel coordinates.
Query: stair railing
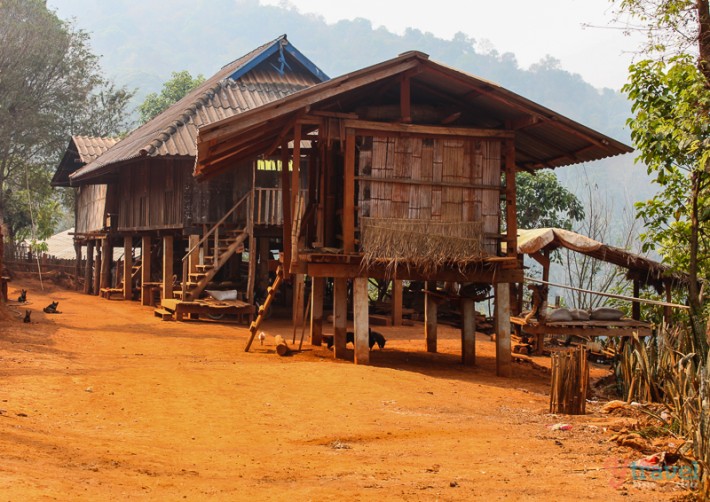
(214, 230)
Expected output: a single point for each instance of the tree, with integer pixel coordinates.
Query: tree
(543, 202)
(173, 91)
(50, 87)
(671, 130)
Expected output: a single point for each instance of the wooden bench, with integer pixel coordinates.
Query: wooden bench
(109, 292)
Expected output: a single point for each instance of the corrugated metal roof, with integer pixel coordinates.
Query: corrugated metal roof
(543, 138)
(80, 151)
(268, 73)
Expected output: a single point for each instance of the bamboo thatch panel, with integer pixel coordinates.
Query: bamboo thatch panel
(427, 244)
(91, 208)
(432, 180)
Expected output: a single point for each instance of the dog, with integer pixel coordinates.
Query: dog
(23, 297)
(374, 338)
(27, 316)
(51, 308)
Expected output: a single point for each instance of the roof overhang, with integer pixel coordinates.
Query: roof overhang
(543, 138)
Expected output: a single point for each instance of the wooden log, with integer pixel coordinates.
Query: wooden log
(89, 268)
(77, 270)
(317, 294)
(340, 317)
(282, 347)
(468, 332)
(167, 267)
(106, 262)
(504, 366)
(146, 293)
(128, 267)
(397, 302)
(98, 266)
(430, 318)
(360, 321)
(570, 381)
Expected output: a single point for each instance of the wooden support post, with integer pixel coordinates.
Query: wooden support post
(146, 294)
(193, 259)
(98, 264)
(430, 318)
(262, 268)
(295, 191)
(511, 217)
(167, 292)
(89, 267)
(106, 262)
(127, 267)
(361, 315)
(504, 358)
(77, 268)
(397, 302)
(317, 294)
(636, 306)
(299, 298)
(340, 316)
(349, 194)
(405, 98)
(468, 331)
(251, 278)
(286, 207)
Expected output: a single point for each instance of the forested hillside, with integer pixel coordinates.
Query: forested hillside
(141, 43)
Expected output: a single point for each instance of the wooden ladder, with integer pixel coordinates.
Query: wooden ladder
(263, 309)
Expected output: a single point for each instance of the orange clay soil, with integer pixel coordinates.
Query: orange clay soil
(104, 401)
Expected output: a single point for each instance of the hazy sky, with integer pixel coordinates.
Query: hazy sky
(530, 29)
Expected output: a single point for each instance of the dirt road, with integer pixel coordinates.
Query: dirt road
(106, 402)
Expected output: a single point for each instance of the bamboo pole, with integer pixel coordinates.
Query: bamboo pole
(609, 295)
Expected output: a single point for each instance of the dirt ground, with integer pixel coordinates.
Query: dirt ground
(107, 402)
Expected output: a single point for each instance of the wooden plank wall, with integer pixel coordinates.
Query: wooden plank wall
(151, 194)
(430, 178)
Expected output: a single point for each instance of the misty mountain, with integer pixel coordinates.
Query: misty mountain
(141, 43)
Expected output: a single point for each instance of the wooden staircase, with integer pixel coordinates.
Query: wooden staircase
(215, 248)
(227, 246)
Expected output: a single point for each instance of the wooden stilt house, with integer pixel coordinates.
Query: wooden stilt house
(192, 235)
(410, 174)
(94, 204)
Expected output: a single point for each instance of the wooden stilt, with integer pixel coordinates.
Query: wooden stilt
(636, 306)
(106, 261)
(317, 293)
(251, 278)
(361, 305)
(468, 331)
(127, 267)
(98, 263)
(299, 298)
(77, 269)
(89, 267)
(504, 358)
(430, 318)
(193, 259)
(396, 302)
(167, 292)
(146, 293)
(340, 316)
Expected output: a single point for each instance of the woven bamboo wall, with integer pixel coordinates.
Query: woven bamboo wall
(432, 179)
(90, 208)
